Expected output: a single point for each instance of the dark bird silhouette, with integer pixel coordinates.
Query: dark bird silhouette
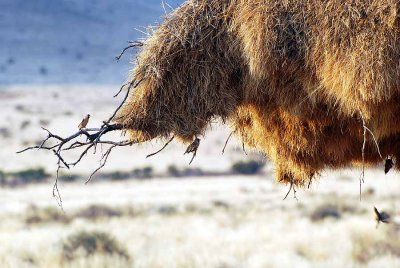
(388, 165)
(381, 217)
(84, 122)
(192, 148)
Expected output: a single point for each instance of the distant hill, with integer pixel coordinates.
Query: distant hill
(71, 41)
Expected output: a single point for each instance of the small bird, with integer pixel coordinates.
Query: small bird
(192, 148)
(388, 165)
(381, 217)
(84, 122)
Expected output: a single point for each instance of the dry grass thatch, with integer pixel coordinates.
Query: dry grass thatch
(300, 80)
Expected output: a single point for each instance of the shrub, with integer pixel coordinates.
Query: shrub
(143, 173)
(325, 211)
(94, 212)
(173, 171)
(117, 176)
(84, 244)
(5, 132)
(249, 168)
(35, 215)
(367, 246)
(31, 175)
(68, 177)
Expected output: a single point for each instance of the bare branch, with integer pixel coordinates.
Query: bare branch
(102, 163)
(292, 186)
(374, 139)
(56, 191)
(165, 146)
(133, 44)
(93, 137)
(226, 142)
(244, 149)
(60, 158)
(132, 83)
(121, 88)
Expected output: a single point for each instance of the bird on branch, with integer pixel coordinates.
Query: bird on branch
(84, 122)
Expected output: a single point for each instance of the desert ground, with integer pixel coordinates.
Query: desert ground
(202, 215)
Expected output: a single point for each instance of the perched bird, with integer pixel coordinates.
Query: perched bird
(84, 122)
(388, 165)
(192, 148)
(381, 217)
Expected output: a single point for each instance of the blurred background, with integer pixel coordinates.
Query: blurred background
(57, 64)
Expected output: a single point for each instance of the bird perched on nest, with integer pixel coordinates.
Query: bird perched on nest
(84, 122)
(381, 217)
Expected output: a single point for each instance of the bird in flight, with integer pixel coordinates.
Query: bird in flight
(381, 217)
(84, 122)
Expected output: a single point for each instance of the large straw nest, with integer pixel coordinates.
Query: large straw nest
(295, 79)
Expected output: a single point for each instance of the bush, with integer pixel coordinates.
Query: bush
(98, 211)
(68, 177)
(84, 244)
(370, 245)
(249, 168)
(325, 211)
(37, 215)
(31, 175)
(118, 176)
(143, 173)
(173, 171)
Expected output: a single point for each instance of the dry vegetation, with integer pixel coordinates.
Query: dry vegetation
(312, 84)
(202, 222)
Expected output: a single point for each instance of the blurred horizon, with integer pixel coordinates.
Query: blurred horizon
(70, 41)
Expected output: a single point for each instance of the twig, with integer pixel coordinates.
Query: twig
(125, 98)
(290, 189)
(133, 44)
(374, 139)
(102, 164)
(56, 191)
(227, 140)
(361, 179)
(60, 158)
(121, 88)
(165, 146)
(365, 130)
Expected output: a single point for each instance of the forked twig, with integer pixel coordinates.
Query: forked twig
(165, 146)
(93, 136)
(133, 44)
